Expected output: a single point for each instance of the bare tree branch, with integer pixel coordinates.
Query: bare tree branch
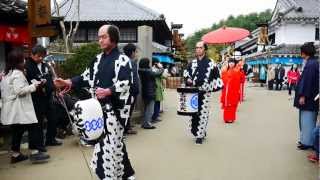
(68, 37)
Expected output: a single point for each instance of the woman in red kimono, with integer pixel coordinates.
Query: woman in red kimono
(242, 79)
(230, 95)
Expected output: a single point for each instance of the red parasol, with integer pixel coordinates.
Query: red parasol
(225, 35)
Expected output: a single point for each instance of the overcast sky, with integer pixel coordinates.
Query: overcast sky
(198, 14)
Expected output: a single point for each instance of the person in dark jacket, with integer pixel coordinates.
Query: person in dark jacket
(130, 50)
(280, 73)
(148, 88)
(306, 99)
(38, 70)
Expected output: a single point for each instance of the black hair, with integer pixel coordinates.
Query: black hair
(15, 60)
(129, 49)
(114, 33)
(144, 63)
(155, 60)
(230, 61)
(38, 49)
(205, 46)
(308, 49)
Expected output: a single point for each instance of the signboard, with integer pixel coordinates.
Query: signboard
(41, 12)
(45, 31)
(39, 16)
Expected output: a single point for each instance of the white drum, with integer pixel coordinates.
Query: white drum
(88, 119)
(188, 101)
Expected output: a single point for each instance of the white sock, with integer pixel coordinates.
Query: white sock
(15, 154)
(34, 151)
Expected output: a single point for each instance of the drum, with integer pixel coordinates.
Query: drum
(188, 101)
(88, 119)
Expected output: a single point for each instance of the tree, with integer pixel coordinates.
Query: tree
(68, 37)
(248, 22)
(81, 58)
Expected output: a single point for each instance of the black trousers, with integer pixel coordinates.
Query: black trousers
(270, 84)
(291, 86)
(195, 120)
(46, 110)
(279, 82)
(17, 133)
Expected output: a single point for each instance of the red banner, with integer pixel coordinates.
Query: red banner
(14, 34)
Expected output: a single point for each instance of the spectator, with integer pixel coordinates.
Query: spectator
(293, 77)
(314, 157)
(42, 99)
(306, 91)
(159, 91)
(17, 108)
(131, 51)
(279, 72)
(148, 87)
(262, 75)
(270, 77)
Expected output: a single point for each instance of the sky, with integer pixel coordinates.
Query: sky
(198, 14)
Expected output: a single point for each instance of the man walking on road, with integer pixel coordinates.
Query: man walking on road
(203, 74)
(110, 75)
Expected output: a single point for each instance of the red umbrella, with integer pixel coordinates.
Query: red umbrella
(225, 35)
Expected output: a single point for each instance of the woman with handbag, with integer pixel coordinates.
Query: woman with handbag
(17, 108)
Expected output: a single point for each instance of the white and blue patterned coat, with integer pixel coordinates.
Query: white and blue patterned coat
(112, 71)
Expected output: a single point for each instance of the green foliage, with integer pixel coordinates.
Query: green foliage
(214, 52)
(81, 58)
(248, 22)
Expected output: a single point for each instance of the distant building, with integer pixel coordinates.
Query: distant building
(126, 14)
(293, 23)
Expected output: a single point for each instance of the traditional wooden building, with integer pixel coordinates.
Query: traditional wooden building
(126, 14)
(293, 23)
(13, 26)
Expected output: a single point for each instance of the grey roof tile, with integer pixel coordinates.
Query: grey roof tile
(15, 6)
(290, 8)
(107, 10)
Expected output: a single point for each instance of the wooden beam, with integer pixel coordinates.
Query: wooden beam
(45, 31)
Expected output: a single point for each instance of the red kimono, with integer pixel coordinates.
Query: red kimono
(242, 81)
(230, 95)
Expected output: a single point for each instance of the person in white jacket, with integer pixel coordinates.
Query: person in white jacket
(17, 107)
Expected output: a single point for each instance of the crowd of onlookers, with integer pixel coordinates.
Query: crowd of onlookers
(304, 81)
(31, 103)
(27, 100)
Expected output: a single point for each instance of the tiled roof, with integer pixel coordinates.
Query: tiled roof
(107, 10)
(290, 49)
(298, 8)
(13, 6)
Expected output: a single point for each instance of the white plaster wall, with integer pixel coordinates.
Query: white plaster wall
(295, 33)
